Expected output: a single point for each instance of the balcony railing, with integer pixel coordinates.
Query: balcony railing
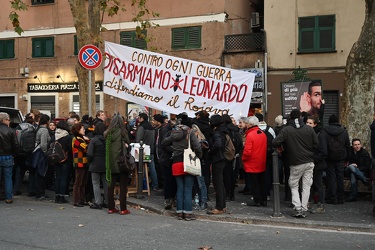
(245, 42)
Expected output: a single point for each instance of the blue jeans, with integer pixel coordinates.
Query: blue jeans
(355, 174)
(152, 171)
(6, 167)
(62, 173)
(184, 193)
(203, 190)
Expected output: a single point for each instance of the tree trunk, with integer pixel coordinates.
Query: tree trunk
(359, 89)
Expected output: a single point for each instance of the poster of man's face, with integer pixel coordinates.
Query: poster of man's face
(305, 96)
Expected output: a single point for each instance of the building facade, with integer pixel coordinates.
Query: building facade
(315, 35)
(37, 69)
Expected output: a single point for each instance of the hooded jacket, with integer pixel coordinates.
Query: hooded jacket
(335, 129)
(300, 141)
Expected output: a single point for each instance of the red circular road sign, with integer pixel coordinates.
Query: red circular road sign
(90, 57)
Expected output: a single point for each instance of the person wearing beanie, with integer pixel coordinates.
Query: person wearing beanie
(335, 163)
(216, 153)
(302, 144)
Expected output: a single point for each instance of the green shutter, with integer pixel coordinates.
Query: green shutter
(316, 34)
(126, 38)
(186, 38)
(6, 49)
(43, 47)
(75, 51)
(130, 39)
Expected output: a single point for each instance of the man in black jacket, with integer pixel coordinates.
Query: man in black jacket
(359, 167)
(8, 148)
(335, 162)
(302, 144)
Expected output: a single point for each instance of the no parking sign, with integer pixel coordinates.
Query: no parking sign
(90, 57)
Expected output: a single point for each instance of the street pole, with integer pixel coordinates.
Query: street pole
(276, 185)
(140, 173)
(90, 90)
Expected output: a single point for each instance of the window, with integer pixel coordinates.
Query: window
(36, 2)
(316, 34)
(186, 38)
(6, 49)
(75, 52)
(43, 47)
(129, 38)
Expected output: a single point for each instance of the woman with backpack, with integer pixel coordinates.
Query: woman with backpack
(62, 169)
(96, 157)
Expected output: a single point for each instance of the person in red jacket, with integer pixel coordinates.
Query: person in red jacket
(254, 159)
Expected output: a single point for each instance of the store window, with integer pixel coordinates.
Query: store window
(45, 104)
(7, 101)
(76, 107)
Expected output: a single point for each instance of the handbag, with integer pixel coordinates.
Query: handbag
(192, 164)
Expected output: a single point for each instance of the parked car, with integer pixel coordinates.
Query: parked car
(15, 115)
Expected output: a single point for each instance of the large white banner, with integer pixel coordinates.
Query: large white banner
(173, 84)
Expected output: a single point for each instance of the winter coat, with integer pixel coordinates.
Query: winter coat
(362, 159)
(116, 149)
(8, 140)
(164, 154)
(300, 141)
(42, 138)
(79, 148)
(335, 129)
(146, 133)
(179, 142)
(96, 154)
(217, 145)
(254, 155)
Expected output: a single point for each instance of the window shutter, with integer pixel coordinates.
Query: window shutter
(126, 38)
(194, 34)
(49, 50)
(178, 38)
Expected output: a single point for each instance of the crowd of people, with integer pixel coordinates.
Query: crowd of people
(312, 160)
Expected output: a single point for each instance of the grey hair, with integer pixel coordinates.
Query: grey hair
(243, 119)
(253, 120)
(4, 116)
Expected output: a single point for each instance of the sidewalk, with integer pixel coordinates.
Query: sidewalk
(350, 216)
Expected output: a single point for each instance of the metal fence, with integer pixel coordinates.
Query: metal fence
(245, 42)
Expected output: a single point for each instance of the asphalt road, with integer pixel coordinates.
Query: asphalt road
(29, 224)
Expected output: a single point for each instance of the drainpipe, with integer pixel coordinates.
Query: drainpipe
(265, 74)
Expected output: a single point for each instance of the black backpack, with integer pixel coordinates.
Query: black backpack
(270, 138)
(26, 136)
(56, 153)
(336, 149)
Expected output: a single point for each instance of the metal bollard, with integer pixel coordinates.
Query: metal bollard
(140, 173)
(276, 185)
